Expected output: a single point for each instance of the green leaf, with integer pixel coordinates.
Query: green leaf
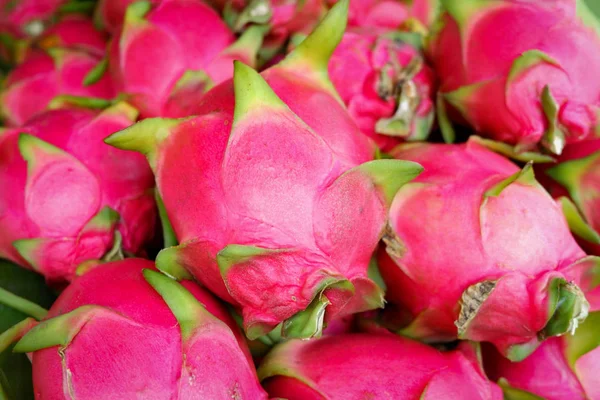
(169, 237)
(554, 139)
(96, 73)
(527, 60)
(390, 175)
(442, 116)
(577, 222)
(524, 177)
(511, 151)
(585, 339)
(568, 308)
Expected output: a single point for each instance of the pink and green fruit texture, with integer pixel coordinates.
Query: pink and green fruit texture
(532, 86)
(125, 331)
(384, 82)
(188, 58)
(562, 368)
(264, 189)
(67, 194)
(373, 366)
(390, 14)
(476, 249)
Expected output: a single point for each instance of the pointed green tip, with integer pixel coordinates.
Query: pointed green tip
(137, 10)
(308, 323)
(27, 249)
(525, 177)
(144, 136)
(235, 254)
(390, 175)
(168, 262)
(185, 307)
(317, 48)
(568, 308)
(251, 91)
(14, 333)
(29, 145)
(577, 222)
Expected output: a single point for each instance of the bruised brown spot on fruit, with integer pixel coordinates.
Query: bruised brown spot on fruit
(471, 301)
(67, 374)
(393, 245)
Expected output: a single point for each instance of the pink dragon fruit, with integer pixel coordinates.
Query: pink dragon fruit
(74, 32)
(152, 338)
(373, 366)
(386, 86)
(533, 85)
(390, 14)
(191, 50)
(110, 14)
(22, 18)
(578, 174)
(278, 187)
(65, 191)
(564, 368)
(508, 261)
(44, 75)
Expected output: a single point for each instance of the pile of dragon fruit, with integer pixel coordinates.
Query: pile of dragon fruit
(300, 199)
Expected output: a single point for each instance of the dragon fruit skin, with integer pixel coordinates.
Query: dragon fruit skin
(66, 190)
(358, 366)
(500, 242)
(533, 85)
(562, 368)
(22, 18)
(390, 14)
(368, 69)
(31, 86)
(276, 232)
(577, 175)
(74, 32)
(152, 337)
(188, 58)
(110, 14)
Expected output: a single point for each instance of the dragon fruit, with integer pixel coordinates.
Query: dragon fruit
(563, 368)
(152, 338)
(22, 18)
(373, 366)
(390, 14)
(278, 192)
(578, 174)
(67, 192)
(534, 86)
(188, 57)
(386, 86)
(74, 32)
(44, 75)
(509, 264)
(110, 14)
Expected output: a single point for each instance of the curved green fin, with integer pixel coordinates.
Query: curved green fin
(461, 97)
(567, 308)
(122, 108)
(390, 175)
(307, 323)
(444, 122)
(104, 220)
(59, 331)
(570, 173)
(512, 151)
(527, 60)
(236, 254)
(511, 393)
(524, 177)
(168, 262)
(577, 222)
(585, 339)
(169, 237)
(252, 92)
(256, 12)
(194, 78)
(36, 151)
(136, 11)
(15, 333)
(188, 311)
(96, 73)
(587, 16)
(554, 138)
(519, 352)
(67, 100)
(463, 11)
(249, 43)
(282, 361)
(144, 136)
(21, 304)
(28, 248)
(313, 53)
